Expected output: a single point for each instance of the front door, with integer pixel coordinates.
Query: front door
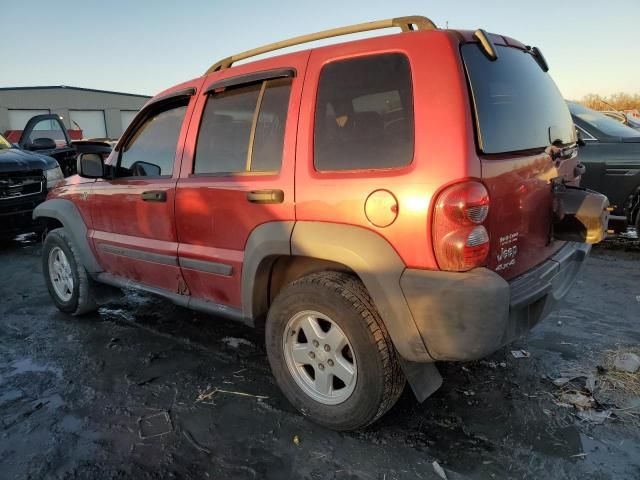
(237, 171)
(134, 232)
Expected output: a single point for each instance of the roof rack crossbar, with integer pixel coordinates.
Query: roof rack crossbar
(406, 24)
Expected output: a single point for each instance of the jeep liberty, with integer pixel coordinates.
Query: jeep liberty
(376, 206)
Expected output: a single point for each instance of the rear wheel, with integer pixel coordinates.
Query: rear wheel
(67, 281)
(330, 352)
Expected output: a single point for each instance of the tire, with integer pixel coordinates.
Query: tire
(330, 299)
(77, 295)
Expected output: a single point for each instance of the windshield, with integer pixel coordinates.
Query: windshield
(4, 143)
(605, 124)
(518, 106)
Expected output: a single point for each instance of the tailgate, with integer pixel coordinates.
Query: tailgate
(525, 141)
(521, 210)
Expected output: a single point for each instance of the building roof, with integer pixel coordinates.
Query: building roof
(66, 87)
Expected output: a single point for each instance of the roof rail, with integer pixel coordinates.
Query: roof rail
(406, 24)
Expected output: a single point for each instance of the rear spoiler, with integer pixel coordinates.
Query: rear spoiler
(489, 49)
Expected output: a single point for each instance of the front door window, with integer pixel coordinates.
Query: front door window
(151, 150)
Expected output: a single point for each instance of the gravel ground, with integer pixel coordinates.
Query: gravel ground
(123, 394)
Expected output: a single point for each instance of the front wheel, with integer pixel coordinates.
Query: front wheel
(330, 351)
(70, 287)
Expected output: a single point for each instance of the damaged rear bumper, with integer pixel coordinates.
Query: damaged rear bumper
(466, 316)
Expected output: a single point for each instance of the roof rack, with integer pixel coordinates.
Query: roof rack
(406, 24)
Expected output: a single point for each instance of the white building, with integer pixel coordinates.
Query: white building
(98, 113)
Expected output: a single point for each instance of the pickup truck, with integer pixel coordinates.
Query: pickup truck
(47, 135)
(30, 168)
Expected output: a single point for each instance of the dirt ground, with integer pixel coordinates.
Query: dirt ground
(115, 394)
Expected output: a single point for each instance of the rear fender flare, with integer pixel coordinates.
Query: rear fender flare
(377, 265)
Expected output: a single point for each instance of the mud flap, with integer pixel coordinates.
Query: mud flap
(424, 378)
(581, 215)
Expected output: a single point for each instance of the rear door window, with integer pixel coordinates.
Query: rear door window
(364, 114)
(242, 129)
(517, 104)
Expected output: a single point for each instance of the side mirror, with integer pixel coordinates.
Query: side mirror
(145, 169)
(91, 165)
(579, 141)
(42, 144)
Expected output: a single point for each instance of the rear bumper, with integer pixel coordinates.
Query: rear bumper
(466, 316)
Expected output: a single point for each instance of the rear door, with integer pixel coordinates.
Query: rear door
(237, 171)
(134, 231)
(526, 141)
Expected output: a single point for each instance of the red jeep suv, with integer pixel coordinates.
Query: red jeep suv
(376, 205)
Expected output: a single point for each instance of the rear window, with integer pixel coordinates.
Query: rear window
(518, 106)
(364, 114)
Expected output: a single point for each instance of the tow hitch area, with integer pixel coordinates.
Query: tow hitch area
(580, 215)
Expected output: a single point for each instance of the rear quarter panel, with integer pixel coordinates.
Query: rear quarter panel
(443, 145)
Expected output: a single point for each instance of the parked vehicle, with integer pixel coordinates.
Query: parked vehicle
(623, 118)
(343, 197)
(46, 134)
(25, 179)
(610, 152)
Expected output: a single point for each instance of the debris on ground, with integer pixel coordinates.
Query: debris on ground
(611, 391)
(520, 354)
(296, 440)
(594, 416)
(195, 444)
(209, 393)
(235, 342)
(492, 364)
(154, 425)
(439, 470)
(626, 362)
(613, 378)
(578, 400)
(562, 381)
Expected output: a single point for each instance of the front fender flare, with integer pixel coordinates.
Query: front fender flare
(69, 216)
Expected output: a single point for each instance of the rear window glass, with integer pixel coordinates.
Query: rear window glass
(364, 114)
(518, 106)
(605, 124)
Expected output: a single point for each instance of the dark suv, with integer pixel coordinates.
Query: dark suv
(610, 152)
(377, 205)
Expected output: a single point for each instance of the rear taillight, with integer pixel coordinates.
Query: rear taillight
(460, 240)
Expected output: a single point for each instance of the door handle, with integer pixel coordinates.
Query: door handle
(265, 196)
(154, 196)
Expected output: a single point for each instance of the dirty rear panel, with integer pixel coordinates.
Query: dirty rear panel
(525, 139)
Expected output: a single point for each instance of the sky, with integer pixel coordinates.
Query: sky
(145, 46)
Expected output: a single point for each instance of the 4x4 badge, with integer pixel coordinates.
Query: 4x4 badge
(84, 195)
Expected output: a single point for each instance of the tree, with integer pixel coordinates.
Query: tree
(618, 101)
